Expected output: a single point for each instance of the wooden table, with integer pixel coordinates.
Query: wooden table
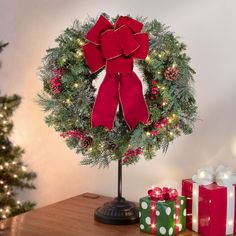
(70, 217)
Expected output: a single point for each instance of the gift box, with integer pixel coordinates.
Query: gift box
(211, 208)
(164, 214)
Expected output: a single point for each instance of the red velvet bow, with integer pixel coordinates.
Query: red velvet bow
(115, 47)
(157, 194)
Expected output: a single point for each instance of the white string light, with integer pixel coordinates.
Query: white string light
(202, 174)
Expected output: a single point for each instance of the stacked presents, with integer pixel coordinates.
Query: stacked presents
(207, 205)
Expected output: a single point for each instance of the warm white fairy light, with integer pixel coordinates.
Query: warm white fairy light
(148, 59)
(194, 192)
(80, 42)
(171, 133)
(153, 225)
(5, 186)
(164, 104)
(79, 53)
(23, 168)
(231, 194)
(15, 176)
(5, 108)
(18, 202)
(8, 193)
(194, 221)
(230, 222)
(4, 122)
(153, 208)
(13, 163)
(76, 85)
(67, 100)
(90, 149)
(148, 133)
(163, 88)
(1, 167)
(3, 147)
(1, 115)
(6, 164)
(1, 182)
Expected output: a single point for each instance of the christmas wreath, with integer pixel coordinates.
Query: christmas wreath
(121, 121)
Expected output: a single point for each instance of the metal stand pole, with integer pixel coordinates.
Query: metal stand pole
(119, 180)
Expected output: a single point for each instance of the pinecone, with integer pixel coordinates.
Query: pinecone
(86, 143)
(171, 73)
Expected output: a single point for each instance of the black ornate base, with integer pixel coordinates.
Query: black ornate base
(117, 212)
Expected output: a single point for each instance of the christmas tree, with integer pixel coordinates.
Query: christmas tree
(13, 172)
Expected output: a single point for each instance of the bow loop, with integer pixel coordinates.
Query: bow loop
(158, 194)
(223, 176)
(134, 25)
(100, 26)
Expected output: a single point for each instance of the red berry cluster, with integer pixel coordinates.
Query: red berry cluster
(55, 81)
(154, 89)
(131, 153)
(160, 124)
(73, 134)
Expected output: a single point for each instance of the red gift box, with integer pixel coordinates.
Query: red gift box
(211, 209)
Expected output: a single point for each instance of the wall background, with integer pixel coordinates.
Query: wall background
(207, 27)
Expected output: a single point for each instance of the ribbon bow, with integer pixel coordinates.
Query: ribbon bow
(223, 176)
(158, 194)
(115, 47)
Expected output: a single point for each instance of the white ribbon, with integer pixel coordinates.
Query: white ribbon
(222, 175)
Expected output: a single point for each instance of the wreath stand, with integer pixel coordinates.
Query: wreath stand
(118, 211)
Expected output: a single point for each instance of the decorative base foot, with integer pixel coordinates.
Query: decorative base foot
(117, 212)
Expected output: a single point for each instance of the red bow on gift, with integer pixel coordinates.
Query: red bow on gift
(115, 47)
(158, 194)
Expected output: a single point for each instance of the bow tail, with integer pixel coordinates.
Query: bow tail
(105, 106)
(132, 100)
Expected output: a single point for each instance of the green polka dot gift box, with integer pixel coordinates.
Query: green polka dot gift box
(162, 212)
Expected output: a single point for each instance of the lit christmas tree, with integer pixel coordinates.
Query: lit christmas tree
(13, 173)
